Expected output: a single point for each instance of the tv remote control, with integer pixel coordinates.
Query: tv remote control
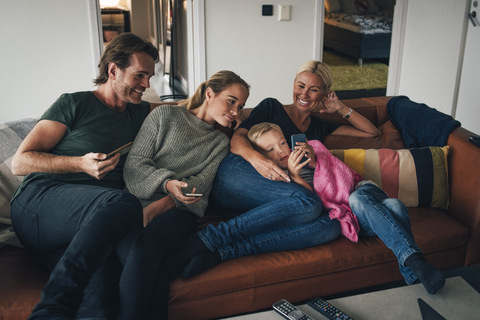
(328, 310)
(289, 311)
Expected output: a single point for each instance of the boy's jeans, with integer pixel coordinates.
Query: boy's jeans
(387, 218)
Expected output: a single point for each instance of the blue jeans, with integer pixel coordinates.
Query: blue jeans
(387, 218)
(144, 285)
(72, 230)
(265, 215)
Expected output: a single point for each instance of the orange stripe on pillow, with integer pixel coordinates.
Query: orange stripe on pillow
(408, 185)
(355, 158)
(389, 162)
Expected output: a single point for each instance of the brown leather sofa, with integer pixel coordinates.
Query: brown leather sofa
(449, 239)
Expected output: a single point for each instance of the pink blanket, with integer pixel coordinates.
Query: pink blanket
(333, 181)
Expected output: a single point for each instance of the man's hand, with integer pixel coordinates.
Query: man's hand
(97, 165)
(174, 187)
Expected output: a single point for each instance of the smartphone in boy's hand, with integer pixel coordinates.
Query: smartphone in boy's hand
(299, 138)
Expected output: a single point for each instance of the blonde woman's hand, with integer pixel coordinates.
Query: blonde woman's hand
(331, 103)
(269, 170)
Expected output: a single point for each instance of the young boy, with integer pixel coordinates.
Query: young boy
(367, 201)
(268, 139)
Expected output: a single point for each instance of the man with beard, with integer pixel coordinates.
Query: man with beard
(70, 212)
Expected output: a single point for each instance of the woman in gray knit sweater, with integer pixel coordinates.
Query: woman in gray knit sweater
(177, 151)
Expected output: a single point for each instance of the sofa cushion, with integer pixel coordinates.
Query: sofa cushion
(417, 177)
(11, 136)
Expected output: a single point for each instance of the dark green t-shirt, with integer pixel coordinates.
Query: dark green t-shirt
(92, 127)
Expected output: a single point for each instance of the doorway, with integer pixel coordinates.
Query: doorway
(160, 22)
(166, 30)
(357, 41)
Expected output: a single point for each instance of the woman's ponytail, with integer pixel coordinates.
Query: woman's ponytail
(196, 100)
(218, 82)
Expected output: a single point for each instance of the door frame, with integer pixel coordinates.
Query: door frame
(396, 47)
(463, 46)
(197, 68)
(96, 31)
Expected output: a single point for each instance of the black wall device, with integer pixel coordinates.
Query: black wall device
(267, 10)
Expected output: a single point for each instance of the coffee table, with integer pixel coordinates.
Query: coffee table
(456, 300)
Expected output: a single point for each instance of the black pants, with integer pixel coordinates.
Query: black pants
(144, 285)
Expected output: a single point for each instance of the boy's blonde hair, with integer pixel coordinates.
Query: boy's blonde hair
(257, 130)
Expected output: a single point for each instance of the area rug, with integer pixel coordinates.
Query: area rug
(347, 75)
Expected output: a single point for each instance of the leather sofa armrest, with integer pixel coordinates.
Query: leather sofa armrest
(464, 176)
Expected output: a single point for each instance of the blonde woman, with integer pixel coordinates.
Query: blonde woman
(177, 151)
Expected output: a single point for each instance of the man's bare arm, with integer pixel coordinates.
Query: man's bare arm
(32, 155)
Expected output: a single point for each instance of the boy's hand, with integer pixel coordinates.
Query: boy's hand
(295, 164)
(310, 153)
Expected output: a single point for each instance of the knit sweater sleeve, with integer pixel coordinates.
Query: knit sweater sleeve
(174, 145)
(203, 181)
(141, 174)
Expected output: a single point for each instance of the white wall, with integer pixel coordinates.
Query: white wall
(46, 49)
(432, 48)
(265, 52)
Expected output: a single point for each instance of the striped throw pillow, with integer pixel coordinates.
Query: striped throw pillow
(417, 177)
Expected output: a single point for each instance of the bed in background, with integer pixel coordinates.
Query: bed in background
(359, 28)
